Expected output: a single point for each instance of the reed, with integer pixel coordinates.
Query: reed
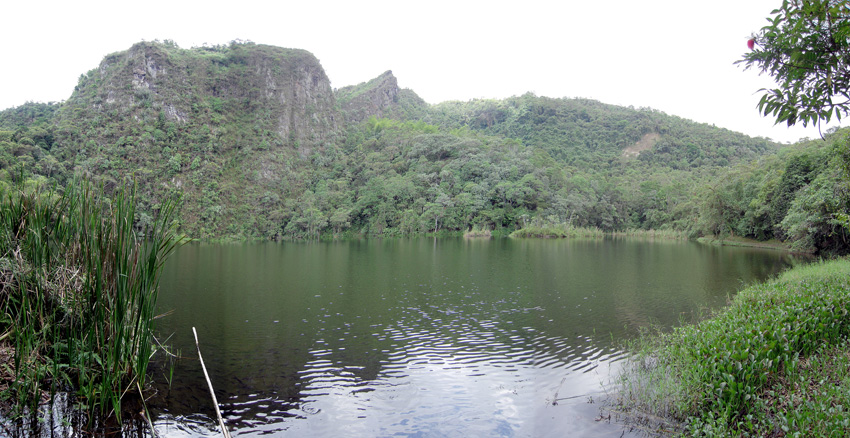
(478, 231)
(79, 288)
(652, 234)
(557, 231)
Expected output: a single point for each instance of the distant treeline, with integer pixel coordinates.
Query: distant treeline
(496, 165)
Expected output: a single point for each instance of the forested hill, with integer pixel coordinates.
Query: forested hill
(257, 143)
(587, 132)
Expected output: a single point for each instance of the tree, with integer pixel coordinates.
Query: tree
(341, 219)
(806, 49)
(437, 209)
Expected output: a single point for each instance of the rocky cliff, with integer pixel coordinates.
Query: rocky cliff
(255, 143)
(380, 97)
(285, 89)
(220, 125)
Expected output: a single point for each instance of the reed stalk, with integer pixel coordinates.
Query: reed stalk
(224, 430)
(78, 289)
(558, 231)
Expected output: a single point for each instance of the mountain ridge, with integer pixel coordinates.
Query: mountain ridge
(256, 143)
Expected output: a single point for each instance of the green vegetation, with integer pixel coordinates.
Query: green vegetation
(653, 234)
(557, 230)
(78, 293)
(743, 241)
(586, 134)
(265, 156)
(256, 145)
(796, 196)
(773, 362)
(478, 232)
(380, 97)
(806, 49)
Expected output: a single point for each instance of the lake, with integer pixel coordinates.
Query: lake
(423, 337)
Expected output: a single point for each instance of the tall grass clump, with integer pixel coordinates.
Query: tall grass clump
(666, 234)
(557, 231)
(772, 363)
(478, 231)
(79, 288)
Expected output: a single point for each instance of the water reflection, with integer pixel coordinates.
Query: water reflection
(424, 338)
(420, 337)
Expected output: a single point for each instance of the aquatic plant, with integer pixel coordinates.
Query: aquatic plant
(557, 230)
(665, 234)
(478, 231)
(78, 292)
(774, 360)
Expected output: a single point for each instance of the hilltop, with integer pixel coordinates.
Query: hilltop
(256, 144)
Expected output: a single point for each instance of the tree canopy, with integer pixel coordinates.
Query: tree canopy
(806, 49)
(209, 138)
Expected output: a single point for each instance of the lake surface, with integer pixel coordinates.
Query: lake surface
(423, 337)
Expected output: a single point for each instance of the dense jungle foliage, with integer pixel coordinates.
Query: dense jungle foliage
(278, 154)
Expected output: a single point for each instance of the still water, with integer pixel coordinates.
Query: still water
(423, 337)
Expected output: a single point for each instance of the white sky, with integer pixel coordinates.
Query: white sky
(672, 55)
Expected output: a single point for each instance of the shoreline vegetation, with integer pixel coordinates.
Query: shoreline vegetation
(78, 296)
(557, 231)
(79, 287)
(350, 169)
(773, 363)
(562, 231)
(478, 232)
(746, 242)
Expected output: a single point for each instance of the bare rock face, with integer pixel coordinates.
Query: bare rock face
(234, 130)
(287, 89)
(296, 90)
(225, 127)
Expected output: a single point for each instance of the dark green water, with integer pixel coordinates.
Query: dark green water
(423, 337)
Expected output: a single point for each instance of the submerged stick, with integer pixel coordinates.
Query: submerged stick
(145, 412)
(215, 402)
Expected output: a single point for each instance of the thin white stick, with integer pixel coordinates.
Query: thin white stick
(145, 412)
(215, 402)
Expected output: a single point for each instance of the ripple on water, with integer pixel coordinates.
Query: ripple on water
(435, 371)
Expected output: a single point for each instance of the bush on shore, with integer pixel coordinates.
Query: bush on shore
(773, 363)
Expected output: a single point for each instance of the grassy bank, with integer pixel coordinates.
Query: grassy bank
(78, 294)
(745, 242)
(557, 231)
(477, 231)
(652, 234)
(774, 363)
(541, 229)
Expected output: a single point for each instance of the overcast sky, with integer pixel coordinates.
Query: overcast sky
(675, 56)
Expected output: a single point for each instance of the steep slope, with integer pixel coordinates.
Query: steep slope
(286, 90)
(379, 97)
(225, 127)
(257, 144)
